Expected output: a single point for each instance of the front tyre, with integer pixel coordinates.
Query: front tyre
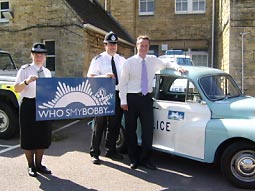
(9, 121)
(238, 164)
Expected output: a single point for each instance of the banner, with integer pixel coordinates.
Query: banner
(71, 98)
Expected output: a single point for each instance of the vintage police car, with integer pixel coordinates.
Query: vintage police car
(202, 115)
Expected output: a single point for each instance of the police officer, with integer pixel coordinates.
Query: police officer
(35, 136)
(107, 64)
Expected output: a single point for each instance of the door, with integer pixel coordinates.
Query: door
(180, 118)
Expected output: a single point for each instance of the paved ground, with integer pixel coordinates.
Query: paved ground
(69, 160)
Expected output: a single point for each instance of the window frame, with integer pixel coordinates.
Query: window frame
(51, 55)
(4, 10)
(199, 53)
(190, 7)
(147, 4)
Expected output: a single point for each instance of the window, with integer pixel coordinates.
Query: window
(4, 6)
(177, 89)
(153, 50)
(5, 61)
(219, 87)
(181, 6)
(199, 58)
(189, 6)
(172, 89)
(50, 46)
(146, 7)
(198, 5)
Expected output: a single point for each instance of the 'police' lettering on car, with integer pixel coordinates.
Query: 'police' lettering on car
(162, 125)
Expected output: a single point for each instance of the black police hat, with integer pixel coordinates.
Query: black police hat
(38, 48)
(111, 37)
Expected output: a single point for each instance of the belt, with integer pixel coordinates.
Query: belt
(141, 94)
(27, 98)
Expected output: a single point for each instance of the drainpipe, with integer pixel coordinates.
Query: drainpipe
(105, 4)
(213, 20)
(243, 33)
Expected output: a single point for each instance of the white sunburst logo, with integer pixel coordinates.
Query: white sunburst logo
(81, 93)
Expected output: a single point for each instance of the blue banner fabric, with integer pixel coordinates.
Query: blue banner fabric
(72, 98)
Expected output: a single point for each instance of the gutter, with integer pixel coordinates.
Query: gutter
(103, 32)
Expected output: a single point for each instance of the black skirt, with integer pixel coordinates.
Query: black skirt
(33, 134)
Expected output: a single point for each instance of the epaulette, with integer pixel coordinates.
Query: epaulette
(25, 66)
(98, 56)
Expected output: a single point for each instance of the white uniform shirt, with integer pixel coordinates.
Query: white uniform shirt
(24, 72)
(130, 81)
(101, 65)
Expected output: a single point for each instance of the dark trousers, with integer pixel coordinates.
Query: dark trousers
(109, 124)
(139, 107)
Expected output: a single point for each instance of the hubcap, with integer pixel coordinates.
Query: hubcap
(243, 165)
(3, 122)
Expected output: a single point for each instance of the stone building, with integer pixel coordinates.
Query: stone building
(235, 41)
(73, 32)
(215, 33)
(208, 30)
(170, 25)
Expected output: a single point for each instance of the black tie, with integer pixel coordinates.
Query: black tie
(40, 73)
(114, 71)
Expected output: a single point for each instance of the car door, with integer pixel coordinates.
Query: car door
(180, 117)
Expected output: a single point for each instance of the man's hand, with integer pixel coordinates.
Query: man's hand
(124, 107)
(110, 75)
(182, 70)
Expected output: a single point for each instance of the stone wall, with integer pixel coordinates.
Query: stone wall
(243, 21)
(35, 21)
(178, 31)
(234, 18)
(222, 36)
(75, 47)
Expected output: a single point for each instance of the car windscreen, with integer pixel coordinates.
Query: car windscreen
(184, 61)
(219, 87)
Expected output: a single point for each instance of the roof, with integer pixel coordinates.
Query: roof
(91, 12)
(194, 72)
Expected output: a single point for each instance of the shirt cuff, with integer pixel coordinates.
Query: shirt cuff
(123, 102)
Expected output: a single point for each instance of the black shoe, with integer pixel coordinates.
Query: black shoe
(114, 156)
(95, 160)
(32, 171)
(43, 169)
(149, 165)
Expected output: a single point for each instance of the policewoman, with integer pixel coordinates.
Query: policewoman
(108, 64)
(35, 136)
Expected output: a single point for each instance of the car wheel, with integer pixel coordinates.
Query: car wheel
(238, 164)
(8, 121)
(121, 144)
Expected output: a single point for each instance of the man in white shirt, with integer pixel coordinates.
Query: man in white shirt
(107, 64)
(136, 100)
